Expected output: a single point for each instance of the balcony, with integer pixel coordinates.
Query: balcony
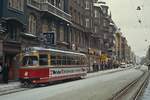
(33, 4)
(44, 5)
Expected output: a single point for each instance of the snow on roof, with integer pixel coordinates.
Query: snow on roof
(55, 50)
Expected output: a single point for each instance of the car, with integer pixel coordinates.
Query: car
(123, 66)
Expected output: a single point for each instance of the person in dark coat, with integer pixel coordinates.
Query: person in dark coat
(5, 72)
(0, 72)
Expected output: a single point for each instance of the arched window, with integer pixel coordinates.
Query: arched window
(32, 24)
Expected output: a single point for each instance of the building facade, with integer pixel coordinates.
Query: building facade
(12, 24)
(26, 23)
(49, 16)
(79, 39)
(79, 25)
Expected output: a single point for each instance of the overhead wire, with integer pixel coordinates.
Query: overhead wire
(138, 11)
(139, 8)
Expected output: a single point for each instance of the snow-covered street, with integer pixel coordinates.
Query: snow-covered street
(99, 87)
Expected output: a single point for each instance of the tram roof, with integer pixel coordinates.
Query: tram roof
(54, 50)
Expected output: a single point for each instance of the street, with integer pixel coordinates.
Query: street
(99, 87)
(74, 49)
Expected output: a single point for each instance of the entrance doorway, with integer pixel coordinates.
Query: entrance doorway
(13, 71)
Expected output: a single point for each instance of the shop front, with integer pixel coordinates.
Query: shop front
(8, 52)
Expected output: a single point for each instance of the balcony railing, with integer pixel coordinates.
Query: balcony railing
(34, 4)
(44, 5)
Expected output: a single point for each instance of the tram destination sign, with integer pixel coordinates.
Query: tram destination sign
(49, 39)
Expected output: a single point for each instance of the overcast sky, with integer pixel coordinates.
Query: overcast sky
(126, 17)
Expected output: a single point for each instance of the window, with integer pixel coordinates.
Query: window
(104, 23)
(16, 4)
(30, 61)
(78, 1)
(43, 59)
(13, 31)
(45, 27)
(68, 60)
(95, 29)
(72, 60)
(95, 13)
(32, 24)
(53, 59)
(82, 20)
(61, 4)
(62, 33)
(78, 60)
(105, 36)
(87, 5)
(64, 60)
(104, 11)
(52, 2)
(87, 22)
(59, 59)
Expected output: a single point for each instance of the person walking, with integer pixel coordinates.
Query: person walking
(0, 68)
(0, 72)
(5, 72)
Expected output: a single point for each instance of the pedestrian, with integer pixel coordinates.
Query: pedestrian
(0, 68)
(5, 72)
(148, 66)
(0, 73)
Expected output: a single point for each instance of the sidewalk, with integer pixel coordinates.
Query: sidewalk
(10, 86)
(103, 72)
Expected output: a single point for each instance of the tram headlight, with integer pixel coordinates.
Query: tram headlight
(26, 74)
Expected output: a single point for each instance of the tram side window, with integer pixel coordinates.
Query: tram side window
(79, 60)
(76, 60)
(64, 58)
(72, 60)
(68, 60)
(59, 59)
(53, 59)
(84, 60)
(43, 59)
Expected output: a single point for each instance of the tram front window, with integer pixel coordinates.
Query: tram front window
(30, 60)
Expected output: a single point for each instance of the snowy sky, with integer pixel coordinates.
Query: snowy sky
(127, 18)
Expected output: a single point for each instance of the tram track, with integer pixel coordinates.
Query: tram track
(141, 89)
(133, 90)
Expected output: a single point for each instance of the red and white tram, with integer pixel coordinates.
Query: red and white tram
(41, 65)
